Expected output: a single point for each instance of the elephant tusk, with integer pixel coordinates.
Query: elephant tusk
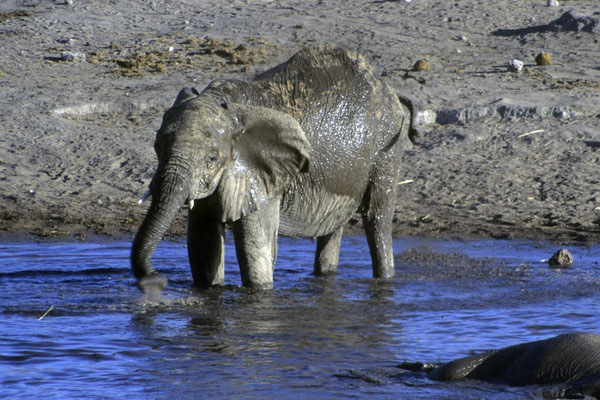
(144, 197)
(191, 204)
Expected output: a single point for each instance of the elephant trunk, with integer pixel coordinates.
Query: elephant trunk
(167, 199)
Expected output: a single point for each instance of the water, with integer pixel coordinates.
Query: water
(326, 338)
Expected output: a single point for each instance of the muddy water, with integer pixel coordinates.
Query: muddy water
(326, 338)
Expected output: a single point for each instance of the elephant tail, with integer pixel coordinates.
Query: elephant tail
(413, 133)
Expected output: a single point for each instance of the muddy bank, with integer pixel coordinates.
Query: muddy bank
(500, 154)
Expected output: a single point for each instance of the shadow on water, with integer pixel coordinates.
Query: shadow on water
(310, 337)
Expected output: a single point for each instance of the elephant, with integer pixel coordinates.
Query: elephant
(572, 359)
(294, 151)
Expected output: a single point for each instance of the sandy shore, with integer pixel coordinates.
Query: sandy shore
(83, 86)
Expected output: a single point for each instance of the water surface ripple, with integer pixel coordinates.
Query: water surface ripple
(328, 338)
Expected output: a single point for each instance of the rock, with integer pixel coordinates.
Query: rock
(515, 66)
(72, 56)
(561, 259)
(69, 41)
(543, 59)
(552, 3)
(568, 22)
(425, 117)
(421, 65)
(576, 23)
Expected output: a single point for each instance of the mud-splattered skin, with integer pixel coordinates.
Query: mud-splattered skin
(295, 151)
(572, 359)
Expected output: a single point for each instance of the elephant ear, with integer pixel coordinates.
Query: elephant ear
(186, 94)
(269, 151)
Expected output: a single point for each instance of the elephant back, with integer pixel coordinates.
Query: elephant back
(315, 73)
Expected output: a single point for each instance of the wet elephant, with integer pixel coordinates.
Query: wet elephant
(295, 151)
(571, 359)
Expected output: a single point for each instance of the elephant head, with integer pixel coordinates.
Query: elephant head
(242, 155)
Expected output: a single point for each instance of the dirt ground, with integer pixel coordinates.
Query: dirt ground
(83, 85)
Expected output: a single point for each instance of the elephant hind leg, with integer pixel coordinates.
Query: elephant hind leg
(327, 254)
(206, 247)
(379, 237)
(378, 212)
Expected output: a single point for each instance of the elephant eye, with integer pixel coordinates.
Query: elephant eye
(212, 159)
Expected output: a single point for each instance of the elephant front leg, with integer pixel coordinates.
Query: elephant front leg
(327, 254)
(255, 238)
(206, 245)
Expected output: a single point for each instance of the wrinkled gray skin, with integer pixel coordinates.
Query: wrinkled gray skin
(572, 359)
(295, 151)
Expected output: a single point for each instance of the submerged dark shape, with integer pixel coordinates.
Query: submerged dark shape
(572, 360)
(568, 22)
(296, 151)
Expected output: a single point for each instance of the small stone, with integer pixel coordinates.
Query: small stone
(69, 41)
(421, 65)
(515, 65)
(561, 259)
(552, 3)
(543, 59)
(72, 56)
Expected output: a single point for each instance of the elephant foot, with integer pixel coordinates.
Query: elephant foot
(155, 282)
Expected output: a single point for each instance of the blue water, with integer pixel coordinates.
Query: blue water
(326, 338)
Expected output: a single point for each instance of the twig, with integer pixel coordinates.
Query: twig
(405, 182)
(531, 133)
(46, 313)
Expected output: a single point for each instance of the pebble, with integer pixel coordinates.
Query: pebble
(421, 65)
(69, 41)
(515, 65)
(72, 56)
(561, 259)
(543, 59)
(552, 3)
